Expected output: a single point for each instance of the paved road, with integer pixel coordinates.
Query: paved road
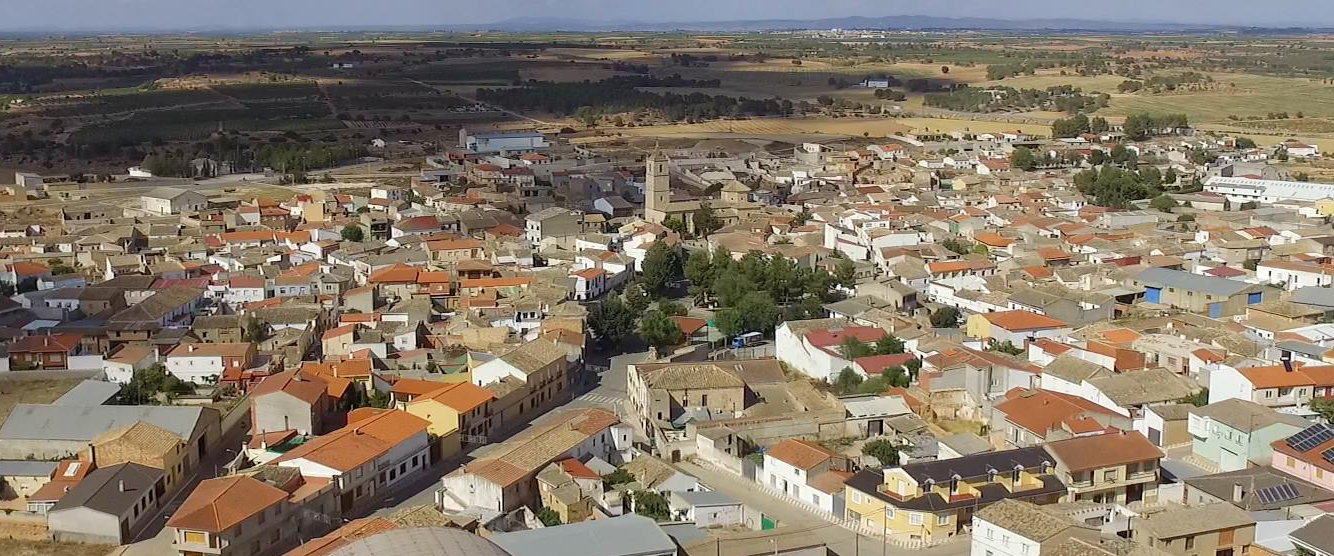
(800, 521)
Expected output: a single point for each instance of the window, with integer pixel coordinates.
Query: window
(196, 537)
(943, 520)
(1190, 543)
(1109, 476)
(915, 518)
(1292, 462)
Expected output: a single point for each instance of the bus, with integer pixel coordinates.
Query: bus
(748, 339)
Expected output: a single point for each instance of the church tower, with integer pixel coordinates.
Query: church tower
(657, 186)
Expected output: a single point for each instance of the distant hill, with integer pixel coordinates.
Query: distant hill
(909, 22)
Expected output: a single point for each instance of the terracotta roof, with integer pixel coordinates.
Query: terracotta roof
(144, 437)
(306, 387)
(1276, 376)
(397, 274)
(461, 397)
(414, 387)
(829, 482)
(354, 530)
(359, 442)
(1104, 450)
(43, 343)
(341, 330)
(1022, 320)
(1040, 411)
(218, 505)
(523, 455)
(800, 454)
(690, 325)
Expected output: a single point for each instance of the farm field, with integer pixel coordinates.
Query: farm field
(1253, 95)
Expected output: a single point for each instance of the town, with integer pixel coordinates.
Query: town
(524, 337)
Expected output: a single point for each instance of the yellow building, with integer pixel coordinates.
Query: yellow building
(457, 413)
(1325, 207)
(933, 501)
(147, 444)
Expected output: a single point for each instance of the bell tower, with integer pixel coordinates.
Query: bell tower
(657, 185)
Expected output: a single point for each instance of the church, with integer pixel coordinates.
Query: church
(735, 204)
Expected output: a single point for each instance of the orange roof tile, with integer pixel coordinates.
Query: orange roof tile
(800, 454)
(218, 505)
(461, 397)
(1017, 321)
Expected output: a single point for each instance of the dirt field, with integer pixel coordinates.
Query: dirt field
(14, 392)
(1252, 95)
(875, 127)
(12, 547)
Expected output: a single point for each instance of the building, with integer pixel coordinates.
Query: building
(47, 432)
(1208, 295)
(295, 400)
(796, 467)
(1235, 434)
(554, 222)
(266, 512)
(527, 380)
(1215, 529)
(1034, 417)
(1316, 537)
(209, 363)
(109, 506)
(1015, 528)
(504, 477)
(1307, 455)
(455, 411)
(169, 200)
(660, 393)
(1116, 467)
(934, 500)
(501, 142)
(146, 444)
(627, 535)
(658, 202)
(374, 451)
(1015, 327)
(45, 351)
(1254, 489)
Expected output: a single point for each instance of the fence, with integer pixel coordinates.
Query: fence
(855, 526)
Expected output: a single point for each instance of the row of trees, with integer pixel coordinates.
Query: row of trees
(748, 292)
(1077, 125)
(1111, 186)
(1064, 98)
(592, 99)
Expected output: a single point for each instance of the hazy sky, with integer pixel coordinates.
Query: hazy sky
(58, 15)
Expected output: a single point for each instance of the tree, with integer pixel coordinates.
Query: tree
(1163, 203)
(1007, 347)
(672, 308)
(1245, 143)
(845, 273)
(853, 348)
(255, 330)
(758, 311)
(548, 517)
(636, 298)
(945, 317)
(1324, 407)
(659, 330)
(618, 477)
(847, 381)
(884, 451)
(729, 322)
(352, 232)
(610, 321)
(1201, 399)
(706, 222)
(675, 224)
(662, 265)
(889, 345)
(652, 505)
(1023, 159)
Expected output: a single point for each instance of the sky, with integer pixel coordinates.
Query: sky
(55, 16)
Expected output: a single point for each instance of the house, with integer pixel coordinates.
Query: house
(932, 501)
(146, 444)
(45, 351)
(589, 284)
(1209, 295)
(538, 371)
(1212, 529)
(815, 347)
(1278, 386)
(220, 329)
(295, 400)
(109, 506)
(504, 478)
(501, 142)
(375, 450)
(571, 489)
(1117, 467)
(1016, 528)
(1291, 275)
(1254, 489)
(794, 467)
(627, 535)
(266, 512)
(1316, 537)
(707, 508)
(554, 222)
(660, 393)
(1035, 417)
(209, 363)
(1015, 327)
(1235, 434)
(455, 411)
(163, 201)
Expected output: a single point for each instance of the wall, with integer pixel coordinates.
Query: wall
(84, 525)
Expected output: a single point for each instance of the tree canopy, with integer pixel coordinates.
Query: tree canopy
(610, 321)
(662, 266)
(660, 330)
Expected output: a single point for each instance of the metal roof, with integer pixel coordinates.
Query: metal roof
(89, 392)
(627, 535)
(1193, 282)
(69, 422)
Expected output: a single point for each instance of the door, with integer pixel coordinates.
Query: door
(1215, 310)
(874, 428)
(1153, 295)
(1155, 436)
(1230, 461)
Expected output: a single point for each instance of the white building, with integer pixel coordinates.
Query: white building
(502, 141)
(169, 200)
(1291, 275)
(1015, 528)
(1243, 190)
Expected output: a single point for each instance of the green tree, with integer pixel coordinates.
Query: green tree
(706, 222)
(853, 348)
(637, 299)
(889, 345)
(675, 224)
(662, 265)
(1163, 203)
(672, 308)
(1245, 143)
(759, 311)
(659, 330)
(255, 330)
(652, 505)
(353, 232)
(618, 477)
(945, 317)
(847, 381)
(1023, 159)
(1007, 347)
(883, 450)
(610, 321)
(548, 517)
(845, 273)
(730, 323)
(1201, 399)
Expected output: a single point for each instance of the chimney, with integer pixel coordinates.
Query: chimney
(92, 453)
(190, 348)
(122, 485)
(1237, 493)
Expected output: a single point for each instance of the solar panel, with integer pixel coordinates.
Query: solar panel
(1313, 436)
(1277, 493)
(1328, 455)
